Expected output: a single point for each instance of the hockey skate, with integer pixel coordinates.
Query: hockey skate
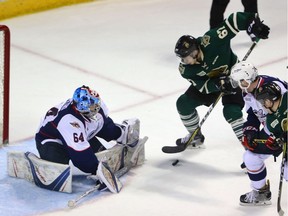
(257, 197)
(196, 143)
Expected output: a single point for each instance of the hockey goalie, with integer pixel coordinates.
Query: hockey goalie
(70, 132)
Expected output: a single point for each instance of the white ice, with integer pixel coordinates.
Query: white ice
(124, 49)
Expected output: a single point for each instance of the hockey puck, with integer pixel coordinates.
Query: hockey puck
(175, 162)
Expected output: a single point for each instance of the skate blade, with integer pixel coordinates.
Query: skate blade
(263, 203)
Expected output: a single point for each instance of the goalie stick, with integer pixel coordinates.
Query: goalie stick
(181, 148)
(72, 203)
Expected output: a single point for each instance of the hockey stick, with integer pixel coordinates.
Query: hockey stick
(250, 50)
(284, 158)
(180, 148)
(72, 203)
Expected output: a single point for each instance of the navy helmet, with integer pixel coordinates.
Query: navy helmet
(185, 46)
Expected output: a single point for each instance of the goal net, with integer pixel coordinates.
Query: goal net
(4, 84)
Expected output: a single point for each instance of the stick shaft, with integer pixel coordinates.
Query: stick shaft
(279, 208)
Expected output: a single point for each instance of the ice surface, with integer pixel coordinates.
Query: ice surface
(124, 49)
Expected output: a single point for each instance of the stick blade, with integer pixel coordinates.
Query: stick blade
(173, 149)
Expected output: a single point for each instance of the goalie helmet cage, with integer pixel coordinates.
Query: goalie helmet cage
(4, 71)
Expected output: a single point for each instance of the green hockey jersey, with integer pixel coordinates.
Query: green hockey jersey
(218, 57)
(277, 122)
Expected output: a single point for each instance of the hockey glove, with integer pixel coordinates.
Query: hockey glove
(274, 143)
(249, 134)
(257, 28)
(224, 85)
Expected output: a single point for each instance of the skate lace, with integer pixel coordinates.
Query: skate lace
(251, 196)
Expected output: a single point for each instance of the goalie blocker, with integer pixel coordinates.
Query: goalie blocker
(58, 177)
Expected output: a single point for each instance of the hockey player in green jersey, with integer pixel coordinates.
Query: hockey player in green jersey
(206, 62)
(269, 95)
(274, 100)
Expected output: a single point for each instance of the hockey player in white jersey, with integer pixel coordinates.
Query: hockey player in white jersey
(69, 131)
(246, 76)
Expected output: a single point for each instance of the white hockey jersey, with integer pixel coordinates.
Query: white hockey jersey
(64, 125)
(256, 112)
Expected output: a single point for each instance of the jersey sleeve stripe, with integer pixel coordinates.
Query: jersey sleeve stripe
(234, 18)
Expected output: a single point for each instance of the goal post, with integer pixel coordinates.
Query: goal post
(5, 83)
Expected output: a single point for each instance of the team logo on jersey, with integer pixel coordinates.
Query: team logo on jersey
(205, 41)
(274, 123)
(75, 124)
(218, 72)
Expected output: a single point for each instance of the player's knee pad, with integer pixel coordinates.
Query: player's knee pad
(130, 129)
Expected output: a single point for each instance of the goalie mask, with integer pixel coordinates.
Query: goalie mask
(87, 101)
(243, 71)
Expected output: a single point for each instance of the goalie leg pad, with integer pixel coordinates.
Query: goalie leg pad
(44, 174)
(108, 178)
(136, 155)
(118, 154)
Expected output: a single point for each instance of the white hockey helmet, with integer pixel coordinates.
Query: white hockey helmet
(243, 71)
